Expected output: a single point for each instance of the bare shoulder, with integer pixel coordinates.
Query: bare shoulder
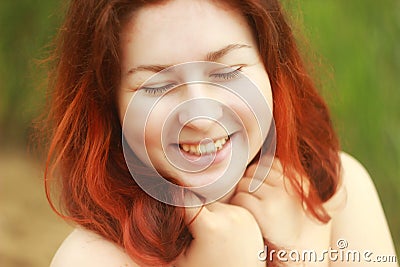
(354, 173)
(355, 181)
(361, 220)
(358, 186)
(84, 248)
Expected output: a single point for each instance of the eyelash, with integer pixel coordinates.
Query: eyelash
(229, 75)
(225, 76)
(158, 90)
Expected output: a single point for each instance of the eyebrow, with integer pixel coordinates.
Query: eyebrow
(212, 56)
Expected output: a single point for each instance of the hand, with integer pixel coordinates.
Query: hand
(223, 235)
(279, 211)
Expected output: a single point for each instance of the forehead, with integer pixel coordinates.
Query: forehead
(180, 31)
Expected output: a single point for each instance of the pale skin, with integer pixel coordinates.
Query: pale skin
(273, 211)
(360, 221)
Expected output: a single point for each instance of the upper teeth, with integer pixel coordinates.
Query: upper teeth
(204, 148)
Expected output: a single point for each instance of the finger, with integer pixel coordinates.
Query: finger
(267, 162)
(265, 173)
(275, 177)
(244, 187)
(251, 169)
(259, 175)
(247, 201)
(196, 214)
(272, 177)
(277, 165)
(278, 178)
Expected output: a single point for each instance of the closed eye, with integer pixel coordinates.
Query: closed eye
(157, 90)
(227, 73)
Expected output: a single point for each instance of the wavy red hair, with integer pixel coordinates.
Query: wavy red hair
(84, 132)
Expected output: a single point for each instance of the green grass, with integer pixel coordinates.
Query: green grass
(26, 27)
(359, 42)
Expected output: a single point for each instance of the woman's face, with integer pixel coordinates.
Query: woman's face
(185, 112)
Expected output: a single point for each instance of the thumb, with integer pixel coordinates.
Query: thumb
(197, 213)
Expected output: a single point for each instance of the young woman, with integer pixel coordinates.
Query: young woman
(114, 58)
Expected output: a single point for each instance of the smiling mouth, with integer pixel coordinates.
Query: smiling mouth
(204, 149)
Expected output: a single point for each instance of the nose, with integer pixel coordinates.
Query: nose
(201, 112)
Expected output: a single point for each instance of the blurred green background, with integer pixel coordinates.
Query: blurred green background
(355, 47)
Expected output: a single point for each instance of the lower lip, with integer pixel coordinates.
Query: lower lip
(209, 159)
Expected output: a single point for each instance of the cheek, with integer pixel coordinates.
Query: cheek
(250, 130)
(154, 126)
(122, 105)
(159, 128)
(259, 118)
(140, 128)
(261, 79)
(267, 92)
(255, 134)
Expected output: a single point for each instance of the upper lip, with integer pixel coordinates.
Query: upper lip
(191, 142)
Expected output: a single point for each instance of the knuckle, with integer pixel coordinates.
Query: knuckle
(242, 215)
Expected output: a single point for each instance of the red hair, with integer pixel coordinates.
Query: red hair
(85, 153)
